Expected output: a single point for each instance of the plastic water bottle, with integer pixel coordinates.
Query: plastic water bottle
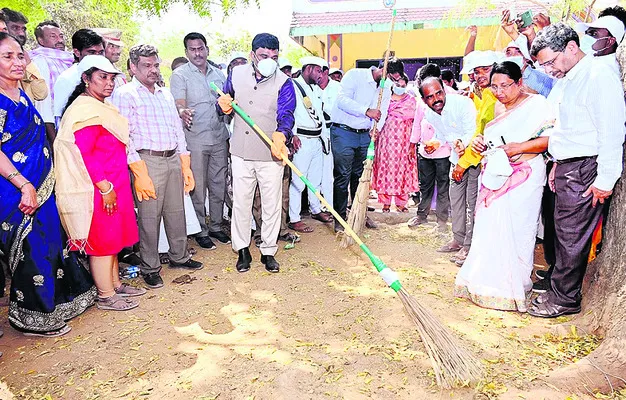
(130, 272)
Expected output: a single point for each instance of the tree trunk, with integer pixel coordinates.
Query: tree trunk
(604, 305)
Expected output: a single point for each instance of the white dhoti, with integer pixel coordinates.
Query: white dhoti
(310, 162)
(246, 175)
(193, 225)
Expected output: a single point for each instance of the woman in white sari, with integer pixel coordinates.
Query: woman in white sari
(496, 273)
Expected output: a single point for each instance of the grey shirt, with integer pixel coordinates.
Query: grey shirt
(190, 84)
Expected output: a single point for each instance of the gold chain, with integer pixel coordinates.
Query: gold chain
(9, 97)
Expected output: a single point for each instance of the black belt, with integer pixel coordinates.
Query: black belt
(307, 132)
(347, 128)
(574, 159)
(157, 153)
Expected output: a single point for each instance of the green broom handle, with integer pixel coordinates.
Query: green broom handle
(388, 275)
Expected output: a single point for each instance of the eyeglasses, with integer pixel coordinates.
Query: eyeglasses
(551, 62)
(503, 87)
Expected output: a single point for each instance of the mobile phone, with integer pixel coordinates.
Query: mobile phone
(525, 19)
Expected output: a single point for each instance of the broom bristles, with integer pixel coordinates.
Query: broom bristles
(358, 211)
(451, 363)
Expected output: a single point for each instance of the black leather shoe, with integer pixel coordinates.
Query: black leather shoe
(189, 264)
(271, 265)
(220, 237)
(153, 280)
(244, 260)
(205, 242)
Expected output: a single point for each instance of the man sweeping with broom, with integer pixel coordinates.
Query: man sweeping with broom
(354, 114)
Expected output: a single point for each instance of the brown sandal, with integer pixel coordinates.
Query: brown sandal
(116, 303)
(386, 208)
(403, 209)
(322, 217)
(300, 227)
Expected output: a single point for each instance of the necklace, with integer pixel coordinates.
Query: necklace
(7, 95)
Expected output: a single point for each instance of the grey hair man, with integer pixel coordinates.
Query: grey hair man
(587, 146)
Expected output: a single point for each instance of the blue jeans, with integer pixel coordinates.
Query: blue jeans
(349, 153)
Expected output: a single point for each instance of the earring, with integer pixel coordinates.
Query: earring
(86, 84)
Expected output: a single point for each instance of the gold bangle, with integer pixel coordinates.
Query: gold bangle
(13, 175)
(24, 184)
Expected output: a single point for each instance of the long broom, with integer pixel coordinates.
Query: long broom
(451, 363)
(358, 210)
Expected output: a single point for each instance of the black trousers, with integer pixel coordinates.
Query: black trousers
(547, 212)
(574, 221)
(434, 171)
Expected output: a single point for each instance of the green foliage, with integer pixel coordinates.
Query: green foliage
(201, 7)
(225, 45)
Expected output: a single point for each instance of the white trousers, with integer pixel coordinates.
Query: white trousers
(246, 175)
(310, 162)
(328, 178)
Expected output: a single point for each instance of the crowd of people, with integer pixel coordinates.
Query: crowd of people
(534, 135)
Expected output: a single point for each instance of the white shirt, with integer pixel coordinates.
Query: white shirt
(63, 88)
(457, 121)
(611, 61)
(359, 91)
(590, 119)
(329, 97)
(44, 106)
(303, 117)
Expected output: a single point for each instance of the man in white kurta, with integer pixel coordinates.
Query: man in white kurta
(330, 91)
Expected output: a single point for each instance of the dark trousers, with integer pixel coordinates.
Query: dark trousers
(209, 164)
(547, 212)
(574, 221)
(434, 171)
(349, 153)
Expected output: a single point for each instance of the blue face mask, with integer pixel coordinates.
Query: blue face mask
(399, 90)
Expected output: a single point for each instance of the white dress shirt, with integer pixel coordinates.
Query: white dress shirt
(44, 106)
(590, 119)
(329, 97)
(457, 121)
(63, 88)
(358, 93)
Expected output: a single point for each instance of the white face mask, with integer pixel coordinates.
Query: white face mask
(586, 43)
(399, 90)
(519, 60)
(267, 67)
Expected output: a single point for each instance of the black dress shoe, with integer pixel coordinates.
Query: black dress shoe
(153, 280)
(205, 242)
(189, 264)
(220, 237)
(244, 260)
(548, 309)
(271, 265)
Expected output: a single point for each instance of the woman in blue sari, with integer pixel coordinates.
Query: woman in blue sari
(48, 286)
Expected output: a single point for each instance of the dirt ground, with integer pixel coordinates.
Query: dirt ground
(325, 327)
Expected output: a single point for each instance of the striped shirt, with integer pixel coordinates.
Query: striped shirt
(152, 118)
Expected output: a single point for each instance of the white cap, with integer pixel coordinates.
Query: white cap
(313, 61)
(479, 58)
(512, 44)
(236, 55)
(609, 22)
(113, 36)
(334, 71)
(283, 62)
(99, 62)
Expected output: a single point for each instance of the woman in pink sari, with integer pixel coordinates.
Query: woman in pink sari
(395, 161)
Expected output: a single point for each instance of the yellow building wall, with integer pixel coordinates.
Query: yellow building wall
(448, 42)
(316, 45)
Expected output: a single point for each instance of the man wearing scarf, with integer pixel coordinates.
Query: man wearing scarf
(51, 59)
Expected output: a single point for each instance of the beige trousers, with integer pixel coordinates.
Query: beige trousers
(246, 175)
